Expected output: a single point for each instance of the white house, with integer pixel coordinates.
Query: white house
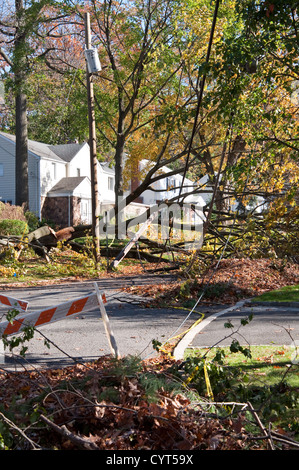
(59, 182)
(169, 187)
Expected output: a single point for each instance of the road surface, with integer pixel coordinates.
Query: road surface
(271, 324)
(82, 336)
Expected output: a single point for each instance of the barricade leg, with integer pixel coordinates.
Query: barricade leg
(2, 355)
(105, 318)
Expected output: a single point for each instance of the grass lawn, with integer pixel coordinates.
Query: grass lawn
(285, 294)
(64, 264)
(269, 378)
(266, 366)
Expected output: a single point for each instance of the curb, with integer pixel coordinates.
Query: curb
(179, 350)
(252, 303)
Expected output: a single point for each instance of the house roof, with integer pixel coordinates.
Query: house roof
(66, 151)
(67, 185)
(38, 148)
(105, 166)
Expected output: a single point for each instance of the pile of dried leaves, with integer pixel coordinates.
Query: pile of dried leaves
(226, 283)
(69, 409)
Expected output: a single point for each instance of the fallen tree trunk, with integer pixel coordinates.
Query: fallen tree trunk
(44, 239)
(71, 233)
(132, 253)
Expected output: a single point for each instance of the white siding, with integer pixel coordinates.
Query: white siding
(83, 189)
(7, 181)
(51, 171)
(106, 194)
(80, 164)
(169, 187)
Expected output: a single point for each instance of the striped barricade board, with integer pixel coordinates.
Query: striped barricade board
(49, 315)
(13, 303)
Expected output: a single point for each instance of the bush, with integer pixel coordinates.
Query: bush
(32, 221)
(8, 211)
(13, 227)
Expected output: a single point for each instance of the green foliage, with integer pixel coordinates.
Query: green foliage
(20, 340)
(216, 290)
(63, 122)
(32, 221)
(154, 383)
(239, 374)
(127, 367)
(219, 377)
(184, 289)
(156, 345)
(6, 437)
(13, 227)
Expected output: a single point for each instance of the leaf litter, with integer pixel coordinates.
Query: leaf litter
(225, 283)
(71, 408)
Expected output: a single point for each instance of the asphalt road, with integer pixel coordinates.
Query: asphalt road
(82, 336)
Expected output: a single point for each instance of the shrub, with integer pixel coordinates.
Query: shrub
(32, 221)
(8, 211)
(13, 227)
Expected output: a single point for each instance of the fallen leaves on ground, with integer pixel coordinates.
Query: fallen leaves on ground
(121, 272)
(69, 408)
(226, 283)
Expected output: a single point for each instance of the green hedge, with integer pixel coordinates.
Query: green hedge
(13, 227)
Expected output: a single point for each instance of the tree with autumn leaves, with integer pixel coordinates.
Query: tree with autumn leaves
(257, 78)
(25, 28)
(241, 131)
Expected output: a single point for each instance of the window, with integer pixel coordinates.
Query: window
(78, 172)
(170, 184)
(110, 183)
(83, 209)
(53, 171)
(1, 169)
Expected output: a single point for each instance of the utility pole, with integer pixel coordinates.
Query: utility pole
(93, 150)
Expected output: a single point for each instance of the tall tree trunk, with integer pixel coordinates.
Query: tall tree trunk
(22, 190)
(21, 169)
(119, 168)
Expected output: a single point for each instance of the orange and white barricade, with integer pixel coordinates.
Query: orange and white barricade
(60, 312)
(12, 302)
(9, 301)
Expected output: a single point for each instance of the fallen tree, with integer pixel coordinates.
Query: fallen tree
(44, 239)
